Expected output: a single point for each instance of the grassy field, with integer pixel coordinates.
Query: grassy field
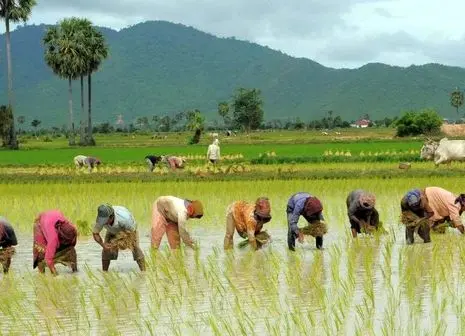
(374, 285)
(131, 155)
(369, 286)
(118, 140)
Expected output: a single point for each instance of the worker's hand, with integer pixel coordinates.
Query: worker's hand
(107, 246)
(53, 270)
(301, 237)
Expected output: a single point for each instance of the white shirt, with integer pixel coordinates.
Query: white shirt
(124, 221)
(174, 210)
(213, 152)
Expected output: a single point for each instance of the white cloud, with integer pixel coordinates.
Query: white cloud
(338, 33)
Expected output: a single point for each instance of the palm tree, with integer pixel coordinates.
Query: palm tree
(13, 11)
(456, 99)
(98, 51)
(65, 54)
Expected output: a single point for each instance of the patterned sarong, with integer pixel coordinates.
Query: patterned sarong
(65, 255)
(6, 254)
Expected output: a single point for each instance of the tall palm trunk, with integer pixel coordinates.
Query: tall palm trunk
(90, 139)
(82, 140)
(12, 141)
(71, 138)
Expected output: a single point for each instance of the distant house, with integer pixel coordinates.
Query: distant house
(362, 123)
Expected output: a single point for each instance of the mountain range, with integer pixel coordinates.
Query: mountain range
(160, 68)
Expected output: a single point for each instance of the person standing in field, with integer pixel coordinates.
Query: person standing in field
(152, 161)
(55, 240)
(445, 207)
(361, 211)
(415, 215)
(310, 207)
(213, 152)
(7, 242)
(248, 220)
(121, 234)
(170, 215)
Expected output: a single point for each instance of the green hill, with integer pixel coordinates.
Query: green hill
(158, 68)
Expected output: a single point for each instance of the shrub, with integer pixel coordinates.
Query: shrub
(426, 122)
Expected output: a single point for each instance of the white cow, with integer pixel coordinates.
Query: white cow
(449, 150)
(428, 149)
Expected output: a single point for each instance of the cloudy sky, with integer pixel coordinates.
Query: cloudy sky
(336, 33)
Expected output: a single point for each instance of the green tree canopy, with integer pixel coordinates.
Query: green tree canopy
(426, 121)
(248, 112)
(456, 99)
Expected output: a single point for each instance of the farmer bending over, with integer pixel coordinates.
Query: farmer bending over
(247, 219)
(92, 162)
(310, 207)
(54, 241)
(445, 207)
(362, 213)
(7, 241)
(152, 160)
(173, 162)
(415, 215)
(169, 215)
(121, 234)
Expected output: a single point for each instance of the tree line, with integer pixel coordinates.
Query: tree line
(74, 49)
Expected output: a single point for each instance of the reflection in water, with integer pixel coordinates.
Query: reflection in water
(367, 286)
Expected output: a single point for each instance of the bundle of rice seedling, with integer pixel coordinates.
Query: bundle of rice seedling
(124, 240)
(261, 238)
(6, 253)
(410, 219)
(315, 229)
(441, 228)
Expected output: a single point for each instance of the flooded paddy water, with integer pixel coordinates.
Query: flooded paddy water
(369, 286)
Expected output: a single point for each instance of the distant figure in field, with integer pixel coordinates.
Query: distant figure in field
(121, 234)
(248, 220)
(310, 207)
(361, 211)
(173, 162)
(169, 216)
(152, 161)
(55, 239)
(415, 215)
(7, 241)
(89, 161)
(213, 152)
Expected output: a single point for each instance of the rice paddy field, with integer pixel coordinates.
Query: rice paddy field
(373, 285)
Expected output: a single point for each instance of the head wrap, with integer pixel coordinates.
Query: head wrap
(195, 209)
(460, 199)
(413, 200)
(367, 200)
(263, 207)
(312, 206)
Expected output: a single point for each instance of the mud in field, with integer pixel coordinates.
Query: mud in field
(371, 285)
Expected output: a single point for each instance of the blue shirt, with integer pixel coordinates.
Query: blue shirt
(295, 208)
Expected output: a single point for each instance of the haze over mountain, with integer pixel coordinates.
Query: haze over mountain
(158, 68)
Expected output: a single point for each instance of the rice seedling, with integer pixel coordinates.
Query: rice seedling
(367, 286)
